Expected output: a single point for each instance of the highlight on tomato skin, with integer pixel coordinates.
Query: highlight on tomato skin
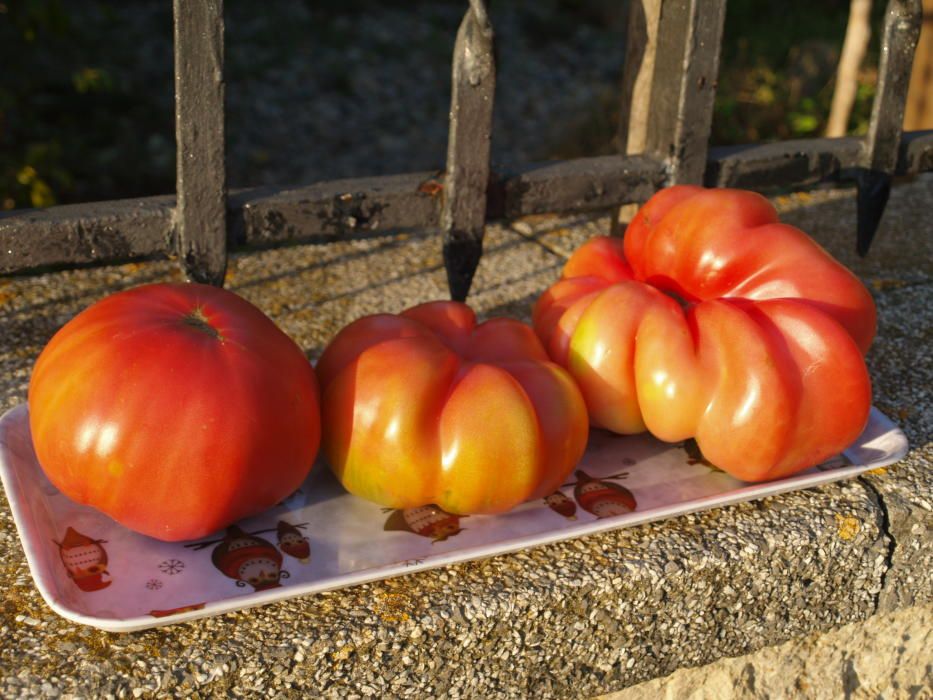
(713, 320)
(430, 407)
(176, 409)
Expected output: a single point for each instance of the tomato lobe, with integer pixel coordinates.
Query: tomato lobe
(733, 328)
(175, 409)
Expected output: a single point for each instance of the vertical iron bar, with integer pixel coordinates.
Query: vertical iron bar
(898, 42)
(637, 73)
(684, 85)
(200, 215)
(463, 208)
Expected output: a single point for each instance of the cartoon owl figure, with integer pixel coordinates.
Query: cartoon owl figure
(292, 542)
(249, 560)
(602, 498)
(84, 559)
(427, 521)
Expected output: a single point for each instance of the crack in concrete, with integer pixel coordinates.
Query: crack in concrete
(884, 525)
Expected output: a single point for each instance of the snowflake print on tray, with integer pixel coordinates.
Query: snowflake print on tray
(172, 566)
(153, 584)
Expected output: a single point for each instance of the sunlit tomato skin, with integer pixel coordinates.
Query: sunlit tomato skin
(714, 320)
(176, 409)
(429, 407)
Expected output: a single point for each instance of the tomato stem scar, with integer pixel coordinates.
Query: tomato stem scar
(198, 319)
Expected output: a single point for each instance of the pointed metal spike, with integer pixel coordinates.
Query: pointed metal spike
(874, 188)
(463, 207)
(882, 142)
(461, 258)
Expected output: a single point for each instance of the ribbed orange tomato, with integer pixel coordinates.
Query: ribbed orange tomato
(714, 320)
(427, 407)
(176, 409)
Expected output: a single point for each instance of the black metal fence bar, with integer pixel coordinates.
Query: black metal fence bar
(335, 210)
(136, 228)
(199, 134)
(463, 197)
(915, 154)
(684, 85)
(899, 40)
(81, 234)
(767, 166)
(584, 184)
(460, 201)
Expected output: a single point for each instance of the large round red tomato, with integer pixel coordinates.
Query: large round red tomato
(714, 320)
(429, 407)
(176, 409)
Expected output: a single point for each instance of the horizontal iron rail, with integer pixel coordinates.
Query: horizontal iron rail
(121, 230)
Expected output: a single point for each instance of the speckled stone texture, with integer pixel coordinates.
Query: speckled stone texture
(890, 655)
(574, 619)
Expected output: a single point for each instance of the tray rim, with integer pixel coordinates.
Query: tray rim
(752, 491)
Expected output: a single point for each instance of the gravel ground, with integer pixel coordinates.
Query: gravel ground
(317, 93)
(346, 105)
(567, 620)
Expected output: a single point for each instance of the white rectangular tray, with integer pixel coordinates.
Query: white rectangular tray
(93, 571)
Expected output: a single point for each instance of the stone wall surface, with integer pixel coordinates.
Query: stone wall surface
(574, 619)
(888, 656)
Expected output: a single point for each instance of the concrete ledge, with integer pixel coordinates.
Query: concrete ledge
(888, 655)
(573, 619)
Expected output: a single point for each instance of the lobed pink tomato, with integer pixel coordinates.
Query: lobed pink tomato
(428, 407)
(714, 320)
(176, 409)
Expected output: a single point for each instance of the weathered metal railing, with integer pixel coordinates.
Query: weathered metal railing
(202, 221)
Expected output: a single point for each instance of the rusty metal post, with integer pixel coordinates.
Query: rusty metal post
(200, 215)
(684, 86)
(635, 108)
(879, 157)
(640, 51)
(463, 207)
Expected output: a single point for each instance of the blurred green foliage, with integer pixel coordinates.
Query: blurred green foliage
(75, 124)
(30, 167)
(778, 70)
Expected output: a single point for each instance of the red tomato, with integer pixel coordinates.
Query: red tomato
(428, 407)
(715, 321)
(176, 409)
